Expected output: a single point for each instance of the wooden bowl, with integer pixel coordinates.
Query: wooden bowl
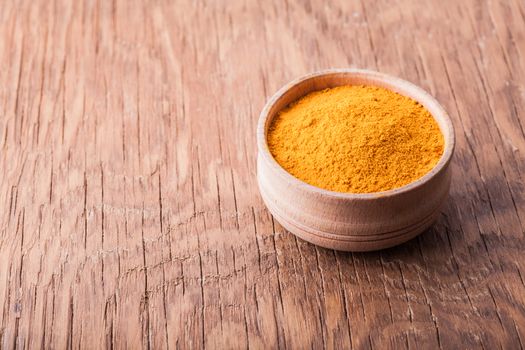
(348, 221)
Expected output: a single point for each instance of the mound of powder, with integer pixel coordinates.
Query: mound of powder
(357, 139)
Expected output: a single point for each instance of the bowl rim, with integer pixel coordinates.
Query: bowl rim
(402, 87)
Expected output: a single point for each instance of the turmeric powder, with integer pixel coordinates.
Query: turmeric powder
(357, 139)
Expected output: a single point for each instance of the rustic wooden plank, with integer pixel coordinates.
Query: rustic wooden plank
(129, 211)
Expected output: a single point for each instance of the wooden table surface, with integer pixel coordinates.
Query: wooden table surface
(129, 211)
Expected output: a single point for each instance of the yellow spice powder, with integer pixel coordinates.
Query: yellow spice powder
(357, 139)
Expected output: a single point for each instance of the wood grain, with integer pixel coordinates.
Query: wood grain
(129, 210)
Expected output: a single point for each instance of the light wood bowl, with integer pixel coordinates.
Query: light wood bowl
(347, 221)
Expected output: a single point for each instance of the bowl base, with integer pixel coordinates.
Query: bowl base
(353, 243)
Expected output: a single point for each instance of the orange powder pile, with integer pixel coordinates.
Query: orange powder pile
(357, 139)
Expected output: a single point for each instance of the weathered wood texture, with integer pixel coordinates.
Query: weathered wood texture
(129, 211)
